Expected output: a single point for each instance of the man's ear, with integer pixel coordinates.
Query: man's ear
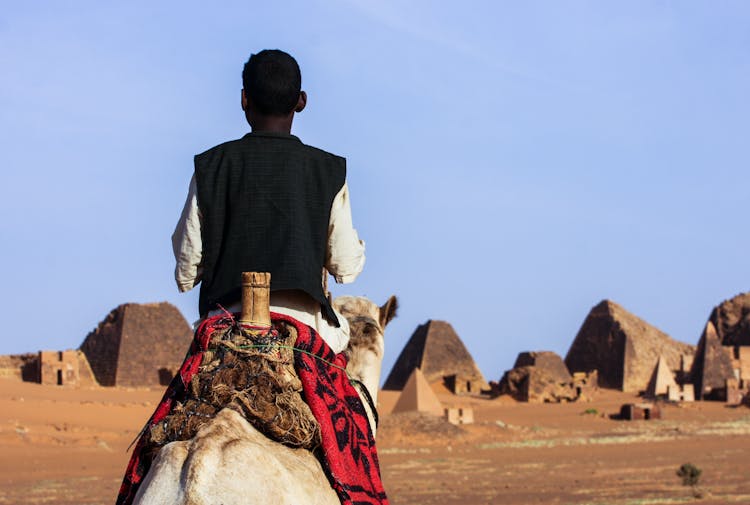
(243, 100)
(301, 102)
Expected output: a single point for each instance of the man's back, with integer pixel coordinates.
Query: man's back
(266, 204)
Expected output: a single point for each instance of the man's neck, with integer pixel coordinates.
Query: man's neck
(273, 124)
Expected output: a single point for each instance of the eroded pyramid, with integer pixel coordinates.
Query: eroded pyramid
(622, 348)
(712, 366)
(731, 319)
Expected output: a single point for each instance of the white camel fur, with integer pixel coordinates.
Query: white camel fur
(231, 463)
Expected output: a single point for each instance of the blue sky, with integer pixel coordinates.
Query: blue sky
(510, 163)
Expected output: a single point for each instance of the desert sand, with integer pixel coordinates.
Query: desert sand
(68, 446)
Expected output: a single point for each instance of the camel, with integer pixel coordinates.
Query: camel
(229, 462)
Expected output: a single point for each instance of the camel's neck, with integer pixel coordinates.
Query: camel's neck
(364, 365)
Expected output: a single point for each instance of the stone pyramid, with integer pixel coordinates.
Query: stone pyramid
(661, 380)
(712, 365)
(138, 345)
(438, 352)
(417, 395)
(622, 348)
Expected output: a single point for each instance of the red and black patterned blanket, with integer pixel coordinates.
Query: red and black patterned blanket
(348, 446)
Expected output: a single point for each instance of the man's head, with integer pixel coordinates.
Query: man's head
(272, 88)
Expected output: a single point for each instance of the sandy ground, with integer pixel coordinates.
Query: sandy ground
(68, 446)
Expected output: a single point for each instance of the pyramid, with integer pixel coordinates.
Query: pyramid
(138, 345)
(622, 348)
(712, 365)
(438, 352)
(417, 395)
(661, 380)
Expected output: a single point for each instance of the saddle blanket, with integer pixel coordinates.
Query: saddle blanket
(348, 451)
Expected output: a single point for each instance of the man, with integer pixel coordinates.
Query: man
(267, 202)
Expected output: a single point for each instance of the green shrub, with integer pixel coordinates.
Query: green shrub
(690, 474)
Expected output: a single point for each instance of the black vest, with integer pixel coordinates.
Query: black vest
(265, 202)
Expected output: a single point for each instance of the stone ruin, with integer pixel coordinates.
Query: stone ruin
(586, 384)
(55, 368)
(622, 348)
(459, 415)
(64, 368)
(639, 412)
(664, 386)
(541, 377)
(442, 357)
(23, 367)
(721, 368)
(135, 345)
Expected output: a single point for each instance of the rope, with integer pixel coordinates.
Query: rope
(279, 346)
(358, 382)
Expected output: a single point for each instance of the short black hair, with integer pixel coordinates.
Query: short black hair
(272, 80)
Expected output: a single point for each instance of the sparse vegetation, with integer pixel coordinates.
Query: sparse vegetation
(690, 475)
(591, 412)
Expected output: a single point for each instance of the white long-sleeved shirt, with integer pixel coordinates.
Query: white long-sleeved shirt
(345, 258)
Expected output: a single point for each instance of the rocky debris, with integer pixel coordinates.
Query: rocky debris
(622, 348)
(545, 360)
(538, 377)
(586, 384)
(731, 319)
(410, 426)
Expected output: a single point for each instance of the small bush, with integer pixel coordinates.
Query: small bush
(592, 412)
(690, 474)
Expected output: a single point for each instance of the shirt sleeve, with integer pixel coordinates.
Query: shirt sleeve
(187, 243)
(345, 257)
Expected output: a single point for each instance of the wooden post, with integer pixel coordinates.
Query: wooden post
(256, 295)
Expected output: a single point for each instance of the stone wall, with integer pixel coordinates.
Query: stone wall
(101, 347)
(20, 366)
(42, 367)
(742, 353)
(59, 368)
(461, 384)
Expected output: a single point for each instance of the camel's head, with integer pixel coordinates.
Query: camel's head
(367, 323)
